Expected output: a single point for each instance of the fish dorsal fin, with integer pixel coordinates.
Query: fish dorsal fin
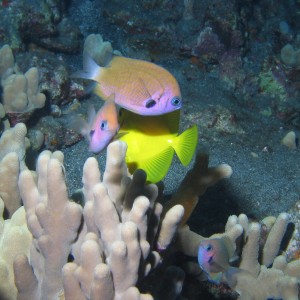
(185, 145)
(157, 167)
(106, 58)
(79, 125)
(172, 120)
(91, 114)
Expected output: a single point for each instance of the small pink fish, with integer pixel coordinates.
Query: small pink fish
(100, 128)
(215, 257)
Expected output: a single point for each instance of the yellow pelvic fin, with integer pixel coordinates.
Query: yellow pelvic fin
(185, 145)
(157, 166)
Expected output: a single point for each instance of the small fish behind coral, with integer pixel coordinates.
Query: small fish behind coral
(139, 86)
(214, 257)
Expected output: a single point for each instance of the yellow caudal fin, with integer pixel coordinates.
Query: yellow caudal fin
(156, 167)
(185, 145)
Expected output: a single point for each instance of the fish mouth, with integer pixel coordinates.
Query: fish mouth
(91, 133)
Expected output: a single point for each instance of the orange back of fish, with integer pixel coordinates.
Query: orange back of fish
(134, 79)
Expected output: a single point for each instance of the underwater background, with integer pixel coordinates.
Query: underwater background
(238, 67)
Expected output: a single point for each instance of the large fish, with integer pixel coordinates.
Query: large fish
(152, 141)
(137, 85)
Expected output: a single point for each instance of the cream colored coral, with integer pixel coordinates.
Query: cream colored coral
(13, 140)
(112, 250)
(3, 119)
(127, 239)
(262, 272)
(21, 92)
(268, 275)
(53, 221)
(15, 239)
(6, 62)
(12, 160)
(9, 174)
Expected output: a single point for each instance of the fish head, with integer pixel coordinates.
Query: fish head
(206, 254)
(213, 256)
(172, 103)
(104, 127)
(161, 104)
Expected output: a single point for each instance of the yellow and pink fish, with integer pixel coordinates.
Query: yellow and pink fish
(149, 119)
(136, 85)
(151, 140)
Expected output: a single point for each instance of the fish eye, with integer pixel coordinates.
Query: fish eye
(150, 103)
(176, 101)
(209, 248)
(103, 125)
(92, 133)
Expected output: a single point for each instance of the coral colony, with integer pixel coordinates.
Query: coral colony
(101, 230)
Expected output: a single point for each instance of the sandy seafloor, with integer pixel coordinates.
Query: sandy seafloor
(264, 185)
(260, 186)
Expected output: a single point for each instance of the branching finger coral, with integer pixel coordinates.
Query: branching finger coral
(115, 240)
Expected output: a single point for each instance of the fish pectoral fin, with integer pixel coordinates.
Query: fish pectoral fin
(78, 124)
(215, 277)
(91, 114)
(157, 166)
(185, 145)
(106, 58)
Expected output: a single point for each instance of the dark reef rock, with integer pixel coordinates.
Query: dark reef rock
(150, 25)
(38, 22)
(57, 133)
(54, 76)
